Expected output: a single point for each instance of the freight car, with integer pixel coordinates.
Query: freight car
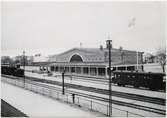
(12, 70)
(153, 81)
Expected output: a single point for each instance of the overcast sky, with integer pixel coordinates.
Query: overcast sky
(54, 27)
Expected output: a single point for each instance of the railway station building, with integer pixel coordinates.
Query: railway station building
(94, 61)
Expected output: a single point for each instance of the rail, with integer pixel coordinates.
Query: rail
(153, 100)
(68, 98)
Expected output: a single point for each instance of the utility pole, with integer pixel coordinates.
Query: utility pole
(63, 82)
(137, 60)
(109, 46)
(24, 65)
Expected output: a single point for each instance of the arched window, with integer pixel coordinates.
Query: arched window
(76, 58)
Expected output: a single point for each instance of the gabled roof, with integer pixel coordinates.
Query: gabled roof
(86, 50)
(92, 50)
(94, 55)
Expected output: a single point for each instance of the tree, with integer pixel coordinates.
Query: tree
(20, 60)
(161, 56)
(6, 60)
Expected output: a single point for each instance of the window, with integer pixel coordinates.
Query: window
(76, 58)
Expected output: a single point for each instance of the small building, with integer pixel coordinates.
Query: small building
(94, 61)
(41, 61)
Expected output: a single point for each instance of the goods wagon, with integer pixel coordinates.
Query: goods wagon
(153, 81)
(12, 70)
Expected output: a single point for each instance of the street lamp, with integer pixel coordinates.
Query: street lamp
(63, 82)
(137, 61)
(24, 65)
(109, 46)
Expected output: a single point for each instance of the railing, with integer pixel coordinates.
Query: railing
(68, 98)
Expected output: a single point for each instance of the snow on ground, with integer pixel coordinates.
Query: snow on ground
(123, 99)
(100, 85)
(30, 67)
(153, 67)
(141, 112)
(37, 105)
(114, 98)
(102, 105)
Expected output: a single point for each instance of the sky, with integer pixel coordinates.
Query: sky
(54, 27)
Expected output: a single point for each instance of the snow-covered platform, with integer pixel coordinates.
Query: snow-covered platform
(37, 105)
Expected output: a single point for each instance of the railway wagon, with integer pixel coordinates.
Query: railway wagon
(7, 70)
(11, 70)
(19, 72)
(153, 81)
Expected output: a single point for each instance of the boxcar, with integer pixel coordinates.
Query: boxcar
(11, 70)
(153, 81)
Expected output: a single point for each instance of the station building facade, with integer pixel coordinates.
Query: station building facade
(94, 61)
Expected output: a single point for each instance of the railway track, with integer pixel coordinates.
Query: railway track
(140, 107)
(142, 98)
(101, 79)
(104, 80)
(159, 111)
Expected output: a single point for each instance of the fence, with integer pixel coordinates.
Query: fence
(69, 98)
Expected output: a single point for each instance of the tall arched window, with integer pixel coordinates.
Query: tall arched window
(76, 58)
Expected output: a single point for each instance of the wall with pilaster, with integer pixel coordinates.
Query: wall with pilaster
(97, 55)
(128, 57)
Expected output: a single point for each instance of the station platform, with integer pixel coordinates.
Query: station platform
(33, 104)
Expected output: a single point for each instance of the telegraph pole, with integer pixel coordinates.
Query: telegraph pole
(63, 82)
(24, 65)
(137, 61)
(109, 46)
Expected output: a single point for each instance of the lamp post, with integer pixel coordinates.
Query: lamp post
(137, 61)
(24, 66)
(63, 82)
(109, 46)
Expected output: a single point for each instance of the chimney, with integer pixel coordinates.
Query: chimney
(101, 47)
